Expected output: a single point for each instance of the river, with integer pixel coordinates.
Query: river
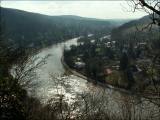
(52, 80)
(51, 73)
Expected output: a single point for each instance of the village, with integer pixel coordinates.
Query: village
(102, 59)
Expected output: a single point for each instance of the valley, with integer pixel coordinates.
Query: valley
(62, 66)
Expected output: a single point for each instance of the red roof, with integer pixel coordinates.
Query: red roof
(107, 71)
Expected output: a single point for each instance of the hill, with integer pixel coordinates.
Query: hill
(28, 29)
(137, 30)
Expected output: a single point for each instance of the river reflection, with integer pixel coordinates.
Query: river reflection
(53, 69)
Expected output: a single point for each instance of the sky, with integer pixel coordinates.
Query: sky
(93, 9)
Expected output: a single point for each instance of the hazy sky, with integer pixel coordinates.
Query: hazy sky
(94, 9)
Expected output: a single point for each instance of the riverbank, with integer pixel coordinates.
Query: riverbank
(107, 85)
(74, 72)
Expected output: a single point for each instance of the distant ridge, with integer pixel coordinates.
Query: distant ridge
(34, 29)
(139, 28)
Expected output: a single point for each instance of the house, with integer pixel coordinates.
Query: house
(78, 59)
(79, 65)
(106, 37)
(107, 71)
(93, 41)
(142, 43)
(108, 44)
(116, 67)
(90, 35)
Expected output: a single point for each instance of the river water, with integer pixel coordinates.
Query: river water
(51, 75)
(51, 81)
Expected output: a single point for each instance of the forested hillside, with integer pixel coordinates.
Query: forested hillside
(140, 30)
(27, 29)
(123, 62)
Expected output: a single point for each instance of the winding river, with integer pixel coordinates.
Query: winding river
(51, 75)
(52, 80)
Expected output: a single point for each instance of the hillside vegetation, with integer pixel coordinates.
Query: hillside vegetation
(27, 29)
(128, 59)
(140, 30)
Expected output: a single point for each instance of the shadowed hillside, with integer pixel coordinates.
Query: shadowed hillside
(27, 29)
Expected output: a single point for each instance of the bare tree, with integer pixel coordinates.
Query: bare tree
(25, 69)
(152, 7)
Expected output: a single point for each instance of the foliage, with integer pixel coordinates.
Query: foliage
(35, 30)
